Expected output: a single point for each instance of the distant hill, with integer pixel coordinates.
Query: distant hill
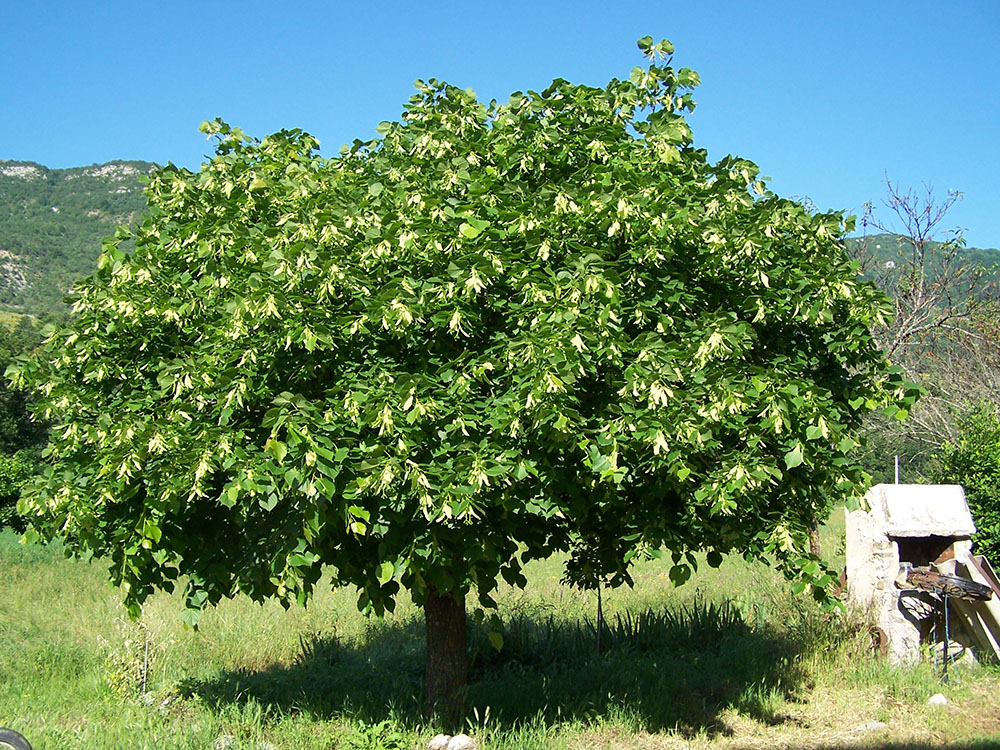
(889, 247)
(52, 222)
(890, 254)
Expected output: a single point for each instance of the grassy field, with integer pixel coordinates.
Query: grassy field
(729, 660)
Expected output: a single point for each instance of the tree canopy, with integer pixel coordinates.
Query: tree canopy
(495, 331)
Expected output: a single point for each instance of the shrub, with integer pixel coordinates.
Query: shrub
(973, 461)
(15, 469)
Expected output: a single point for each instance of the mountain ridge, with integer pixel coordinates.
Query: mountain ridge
(52, 222)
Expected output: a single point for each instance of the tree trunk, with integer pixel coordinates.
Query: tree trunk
(814, 547)
(447, 672)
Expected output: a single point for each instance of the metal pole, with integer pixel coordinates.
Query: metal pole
(947, 645)
(600, 618)
(145, 662)
(937, 639)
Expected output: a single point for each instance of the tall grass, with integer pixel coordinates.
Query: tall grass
(731, 652)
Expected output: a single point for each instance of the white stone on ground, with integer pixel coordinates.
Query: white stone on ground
(937, 699)
(872, 726)
(445, 742)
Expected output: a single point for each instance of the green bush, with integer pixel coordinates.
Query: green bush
(15, 469)
(973, 461)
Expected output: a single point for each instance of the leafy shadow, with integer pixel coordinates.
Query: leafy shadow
(668, 669)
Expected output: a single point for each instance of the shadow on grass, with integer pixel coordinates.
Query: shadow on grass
(658, 670)
(875, 745)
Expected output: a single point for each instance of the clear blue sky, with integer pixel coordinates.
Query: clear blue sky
(827, 97)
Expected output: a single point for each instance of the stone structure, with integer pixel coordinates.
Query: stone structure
(906, 525)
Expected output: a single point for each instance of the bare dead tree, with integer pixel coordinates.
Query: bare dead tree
(931, 284)
(939, 328)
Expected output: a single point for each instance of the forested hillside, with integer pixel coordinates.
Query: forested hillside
(51, 225)
(886, 249)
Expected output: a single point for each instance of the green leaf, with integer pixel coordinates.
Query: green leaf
(277, 449)
(230, 496)
(846, 445)
(151, 530)
(496, 640)
(191, 617)
(268, 502)
(679, 574)
(794, 457)
(375, 189)
(601, 464)
(472, 228)
(385, 572)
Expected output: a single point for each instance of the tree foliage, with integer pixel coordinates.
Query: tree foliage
(17, 429)
(973, 461)
(495, 331)
(21, 437)
(15, 471)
